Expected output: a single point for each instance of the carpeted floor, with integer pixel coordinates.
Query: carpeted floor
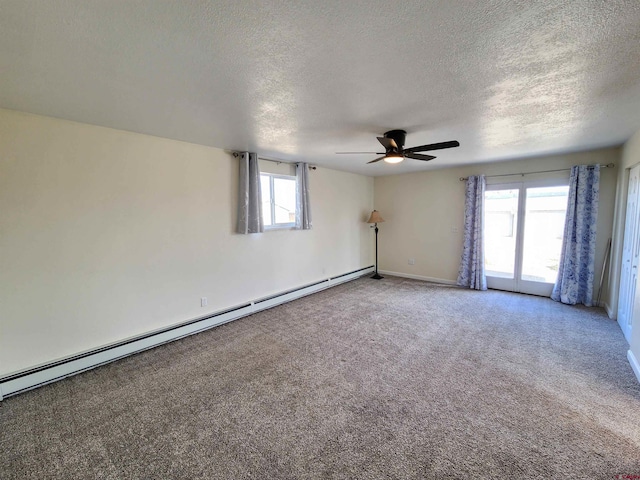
(371, 379)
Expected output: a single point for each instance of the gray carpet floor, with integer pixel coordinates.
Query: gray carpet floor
(371, 379)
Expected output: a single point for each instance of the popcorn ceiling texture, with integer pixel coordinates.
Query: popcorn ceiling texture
(370, 380)
(306, 79)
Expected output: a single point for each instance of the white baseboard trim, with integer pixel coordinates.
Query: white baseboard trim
(35, 377)
(417, 277)
(610, 312)
(634, 363)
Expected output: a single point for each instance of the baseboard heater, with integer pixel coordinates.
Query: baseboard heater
(54, 371)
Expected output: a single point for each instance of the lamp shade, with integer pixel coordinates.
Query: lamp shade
(375, 217)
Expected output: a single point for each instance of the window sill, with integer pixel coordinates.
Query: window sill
(287, 226)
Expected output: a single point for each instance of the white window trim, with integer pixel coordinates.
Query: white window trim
(277, 226)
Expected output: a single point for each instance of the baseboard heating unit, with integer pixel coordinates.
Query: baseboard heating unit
(35, 377)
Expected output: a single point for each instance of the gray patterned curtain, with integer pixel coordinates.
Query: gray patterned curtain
(249, 195)
(303, 206)
(576, 270)
(471, 272)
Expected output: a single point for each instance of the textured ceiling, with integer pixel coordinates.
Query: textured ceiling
(300, 80)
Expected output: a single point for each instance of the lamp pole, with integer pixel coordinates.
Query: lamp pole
(376, 275)
(375, 218)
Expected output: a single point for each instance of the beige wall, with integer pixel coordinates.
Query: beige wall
(106, 234)
(424, 212)
(630, 158)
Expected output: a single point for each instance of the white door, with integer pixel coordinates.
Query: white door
(524, 226)
(630, 255)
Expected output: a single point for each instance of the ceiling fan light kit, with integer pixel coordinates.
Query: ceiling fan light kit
(393, 143)
(393, 158)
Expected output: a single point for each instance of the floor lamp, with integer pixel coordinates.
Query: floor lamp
(375, 218)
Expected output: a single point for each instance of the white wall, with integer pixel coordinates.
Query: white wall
(630, 158)
(422, 210)
(106, 234)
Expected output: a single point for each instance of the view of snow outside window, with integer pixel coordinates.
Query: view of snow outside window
(544, 216)
(278, 200)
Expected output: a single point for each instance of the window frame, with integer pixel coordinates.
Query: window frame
(272, 202)
(517, 283)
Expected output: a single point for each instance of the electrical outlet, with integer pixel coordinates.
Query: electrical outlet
(203, 302)
(412, 261)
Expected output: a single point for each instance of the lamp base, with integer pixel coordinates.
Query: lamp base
(376, 276)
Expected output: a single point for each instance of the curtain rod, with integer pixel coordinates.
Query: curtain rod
(311, 167)
(608, 165)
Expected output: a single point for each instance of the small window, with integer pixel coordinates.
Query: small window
(278, 200)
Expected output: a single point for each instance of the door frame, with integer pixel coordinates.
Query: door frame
(516, 284)
(628, 291)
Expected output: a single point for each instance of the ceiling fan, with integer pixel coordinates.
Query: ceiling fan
(393, 142)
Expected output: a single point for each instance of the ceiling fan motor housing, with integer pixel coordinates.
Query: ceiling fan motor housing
(397, 136)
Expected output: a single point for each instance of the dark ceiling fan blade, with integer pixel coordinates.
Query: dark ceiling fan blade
(359, 153)
(417, 156)
(433, 146)
(388, 142)
(377, 160)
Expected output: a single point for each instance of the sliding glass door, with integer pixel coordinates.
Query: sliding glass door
(524, 225)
